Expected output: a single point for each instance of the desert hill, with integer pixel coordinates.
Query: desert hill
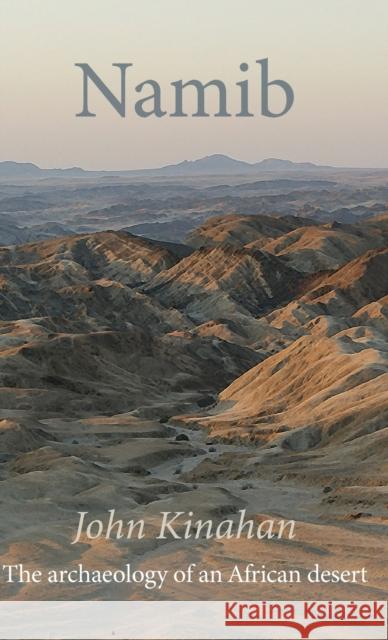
(239, 230)
(103, 370)
(322, 387)
(77, 333)
(317, 390)
(306, 245)
(108, 303)
(105, 253)
(87, 276)
(218, 281)
(338, 295)
(325, 247)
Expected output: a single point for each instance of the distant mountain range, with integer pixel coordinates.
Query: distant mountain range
(10, 169)
(216, 164)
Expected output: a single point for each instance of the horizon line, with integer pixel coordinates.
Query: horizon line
(316, 164)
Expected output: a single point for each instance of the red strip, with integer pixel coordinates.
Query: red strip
(304, 631)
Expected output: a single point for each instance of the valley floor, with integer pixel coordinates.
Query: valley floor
(138, 468)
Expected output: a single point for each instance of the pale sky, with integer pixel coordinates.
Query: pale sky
(334, 53)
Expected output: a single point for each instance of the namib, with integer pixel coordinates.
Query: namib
(152, 102)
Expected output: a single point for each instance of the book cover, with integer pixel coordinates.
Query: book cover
(193, 319)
